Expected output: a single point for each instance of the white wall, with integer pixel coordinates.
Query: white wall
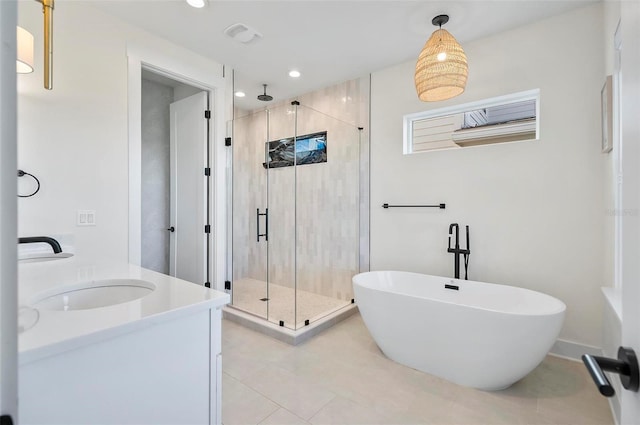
(535, 209)
(74, 138)
(611, 17)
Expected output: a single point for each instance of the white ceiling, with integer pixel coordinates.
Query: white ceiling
(327, 41)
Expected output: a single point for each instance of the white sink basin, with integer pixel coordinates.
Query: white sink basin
(36, 258)
(94, 294)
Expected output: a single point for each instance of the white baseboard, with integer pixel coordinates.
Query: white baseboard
(573, 350)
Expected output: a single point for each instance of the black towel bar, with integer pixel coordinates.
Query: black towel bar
(441, 206)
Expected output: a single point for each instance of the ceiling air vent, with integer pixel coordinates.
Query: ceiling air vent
(242, 33)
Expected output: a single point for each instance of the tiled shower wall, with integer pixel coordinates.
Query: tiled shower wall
(318, 213)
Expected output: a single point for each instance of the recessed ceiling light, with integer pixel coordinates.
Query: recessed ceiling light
(197, 3)
(240, 94)
(294, 73)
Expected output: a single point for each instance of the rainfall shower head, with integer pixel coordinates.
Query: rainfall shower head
(265, 97)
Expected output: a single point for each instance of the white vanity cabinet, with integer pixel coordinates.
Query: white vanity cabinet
(141, 364)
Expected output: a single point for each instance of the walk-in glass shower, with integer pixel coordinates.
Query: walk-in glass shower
(295, 214)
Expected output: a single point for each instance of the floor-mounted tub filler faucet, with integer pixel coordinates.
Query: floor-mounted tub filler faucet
(55, 245)
(457, 251)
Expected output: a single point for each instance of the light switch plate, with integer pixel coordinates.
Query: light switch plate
(86, 218)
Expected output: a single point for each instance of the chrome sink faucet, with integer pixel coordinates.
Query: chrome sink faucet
(457, 251)
(55, 245)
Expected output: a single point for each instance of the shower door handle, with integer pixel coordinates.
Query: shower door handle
(266, 223)
(257, 224)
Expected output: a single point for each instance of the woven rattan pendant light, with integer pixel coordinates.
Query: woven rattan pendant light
(441, 70)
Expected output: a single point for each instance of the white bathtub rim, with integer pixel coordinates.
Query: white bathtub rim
(561, 306)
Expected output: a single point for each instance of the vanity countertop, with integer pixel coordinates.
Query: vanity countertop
(58, 331)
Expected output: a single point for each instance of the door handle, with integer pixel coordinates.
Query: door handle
(171, 229)
(266, 223)
(626, 365)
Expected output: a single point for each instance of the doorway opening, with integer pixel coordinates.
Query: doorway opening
(175, 173)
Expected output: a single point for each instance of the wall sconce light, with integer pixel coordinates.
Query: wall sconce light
(441, 70)
(25, 46)
(24, 59)
(47, 10)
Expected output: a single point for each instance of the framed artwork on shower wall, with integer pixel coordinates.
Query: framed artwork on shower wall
(607, 115)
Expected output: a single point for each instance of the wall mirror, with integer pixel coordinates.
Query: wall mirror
(510, 118)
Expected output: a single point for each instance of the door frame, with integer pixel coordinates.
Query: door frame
(197, 72)
(630, 132)
(8, 214)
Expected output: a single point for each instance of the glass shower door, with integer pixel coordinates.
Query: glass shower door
(327, 214)
(249, 291)
(281, 184)
(296, 211)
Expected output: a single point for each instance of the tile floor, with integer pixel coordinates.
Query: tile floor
(341, 377)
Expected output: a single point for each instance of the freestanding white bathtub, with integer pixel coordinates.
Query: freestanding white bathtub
(481, 335)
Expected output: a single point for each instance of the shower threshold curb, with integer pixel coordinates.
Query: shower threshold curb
(286, 335)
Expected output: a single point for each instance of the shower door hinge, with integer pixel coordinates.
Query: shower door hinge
(207, 228)
(207, 114)
(227, 141)
(207, 284)
(227, 285)
(6, 420)
(207, 171)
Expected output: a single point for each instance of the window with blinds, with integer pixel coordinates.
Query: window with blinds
(511, 118)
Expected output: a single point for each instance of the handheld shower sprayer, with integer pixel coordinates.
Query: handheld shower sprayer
(456, 251)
